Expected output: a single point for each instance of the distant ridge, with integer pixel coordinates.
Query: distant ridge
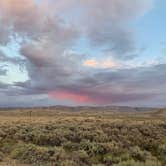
(84, 108)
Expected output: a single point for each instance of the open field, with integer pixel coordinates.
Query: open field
(64, 137)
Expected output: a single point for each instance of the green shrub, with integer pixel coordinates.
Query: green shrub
(137, 163)
(71, 146)
(1, 156)
(30, 153)
(6, 145)
(110, 159)
(81, 156)
(162, 153)
(68, 163)
(137, 154)
(60, 155)
(85, 140)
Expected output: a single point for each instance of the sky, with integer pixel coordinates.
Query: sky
(81, 52)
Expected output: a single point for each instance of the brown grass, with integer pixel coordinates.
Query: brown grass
(82, 137)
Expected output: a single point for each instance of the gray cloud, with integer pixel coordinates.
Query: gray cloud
(123, 85)
(26, 101)
(56, 73)
(3, 72)
(107, 24)
(108, 87)
(110, 24)
(29, 20)
(14, 60)
(3, 85)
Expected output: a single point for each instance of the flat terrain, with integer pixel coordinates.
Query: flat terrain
(82, 137)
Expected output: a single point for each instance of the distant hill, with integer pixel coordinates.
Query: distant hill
(160, 112)
(89, 108)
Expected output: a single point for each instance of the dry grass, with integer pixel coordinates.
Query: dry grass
(60, 137)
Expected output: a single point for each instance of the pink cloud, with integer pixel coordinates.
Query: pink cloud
(104, 63)
(66, 95)
(81, 97)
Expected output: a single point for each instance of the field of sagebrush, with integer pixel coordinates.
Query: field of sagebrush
(84, 138)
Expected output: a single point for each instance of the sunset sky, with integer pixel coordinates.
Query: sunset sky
(82, 52)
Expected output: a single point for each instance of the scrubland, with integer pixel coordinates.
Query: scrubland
(48, 137)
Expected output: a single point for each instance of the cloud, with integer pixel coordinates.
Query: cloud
(27, 19)
(51, 67)
(3, 85)
(57, 74)
(121, 86)
(66, 95)
(26, 101)
(3, 72)
(4, 59)
(106, 63)
(106, 87)
(46, 44)
(107, 24)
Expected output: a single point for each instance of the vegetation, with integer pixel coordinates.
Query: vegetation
(83, 138)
